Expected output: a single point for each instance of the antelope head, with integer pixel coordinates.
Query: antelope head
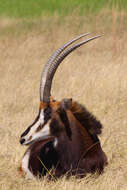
(41, 128)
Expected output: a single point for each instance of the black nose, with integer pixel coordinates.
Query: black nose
(22, 141)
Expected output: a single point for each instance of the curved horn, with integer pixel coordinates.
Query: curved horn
(50, 70)
(58, 51)
(51, 59)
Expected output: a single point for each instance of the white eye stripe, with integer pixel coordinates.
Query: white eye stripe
(40, 129)
(45, 131)
(41, 116)
(33, 128)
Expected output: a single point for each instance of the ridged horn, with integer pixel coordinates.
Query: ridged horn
(50, 68)
(51, 59)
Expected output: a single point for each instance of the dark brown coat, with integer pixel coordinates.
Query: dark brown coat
(78, 150)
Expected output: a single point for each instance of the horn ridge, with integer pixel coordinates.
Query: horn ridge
(58, 51)
(51, 59)
(53, 67)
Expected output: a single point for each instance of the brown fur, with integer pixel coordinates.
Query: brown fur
(70, 151)
(43, 105)
(41, 152)
(78, 150)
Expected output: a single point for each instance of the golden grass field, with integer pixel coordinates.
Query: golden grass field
(95, 75)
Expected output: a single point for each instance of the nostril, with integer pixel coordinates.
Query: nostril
(22, 141)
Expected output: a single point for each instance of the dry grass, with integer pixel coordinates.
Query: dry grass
(95, 75)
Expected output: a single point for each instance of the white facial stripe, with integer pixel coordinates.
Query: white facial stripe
(33, 128)
(35, 134)
(25, 165)
(43, 133)
(42, 116)
(36, 125)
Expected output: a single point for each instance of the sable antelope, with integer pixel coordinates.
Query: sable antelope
(64, 136)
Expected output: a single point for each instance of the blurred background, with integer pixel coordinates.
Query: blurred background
(94, 75)
(40, 14)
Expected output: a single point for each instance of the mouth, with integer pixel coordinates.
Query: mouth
(45, 138)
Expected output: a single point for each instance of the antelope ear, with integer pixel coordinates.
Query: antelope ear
(66, 104)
